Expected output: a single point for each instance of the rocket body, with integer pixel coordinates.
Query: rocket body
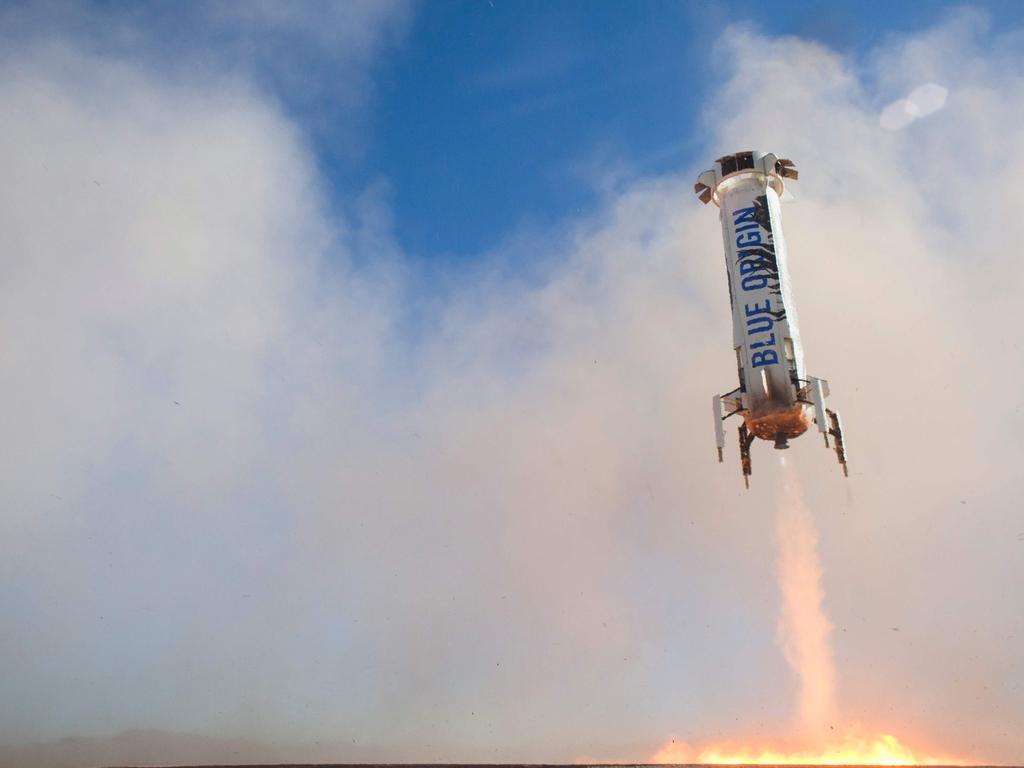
(765, 334)
(775, 397)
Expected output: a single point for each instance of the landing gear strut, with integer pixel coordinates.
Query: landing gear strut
(836, 430)
(746, 438)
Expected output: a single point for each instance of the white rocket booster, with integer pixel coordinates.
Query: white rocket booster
(775, 397)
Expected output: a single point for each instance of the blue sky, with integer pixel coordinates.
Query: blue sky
(494, 116)
(357, 360)
(484, 118)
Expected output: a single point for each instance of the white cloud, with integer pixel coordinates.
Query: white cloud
(315, 58)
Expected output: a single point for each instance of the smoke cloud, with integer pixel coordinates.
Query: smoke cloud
(267, 483)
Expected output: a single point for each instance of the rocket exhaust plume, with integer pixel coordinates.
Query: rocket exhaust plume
(803, 629)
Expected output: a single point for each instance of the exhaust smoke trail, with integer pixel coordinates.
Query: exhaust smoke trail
(803, 629)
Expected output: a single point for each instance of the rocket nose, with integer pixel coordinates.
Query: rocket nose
(781, 442)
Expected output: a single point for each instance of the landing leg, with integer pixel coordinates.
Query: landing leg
(836, 430)
(745, 440)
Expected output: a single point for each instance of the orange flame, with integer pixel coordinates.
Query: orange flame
(853, 749)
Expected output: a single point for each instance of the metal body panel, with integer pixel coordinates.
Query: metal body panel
(765, 331)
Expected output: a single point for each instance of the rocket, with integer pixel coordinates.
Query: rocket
(776, 399)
